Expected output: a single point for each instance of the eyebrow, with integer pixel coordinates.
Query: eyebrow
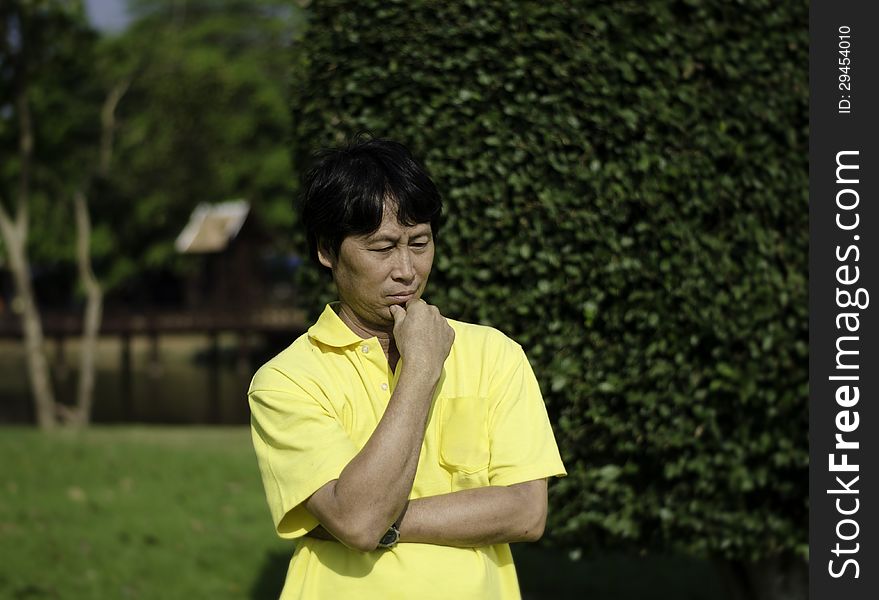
(382, 239)
(391, 238)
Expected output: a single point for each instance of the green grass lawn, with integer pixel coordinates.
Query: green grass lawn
(163, 512)
(135, 513)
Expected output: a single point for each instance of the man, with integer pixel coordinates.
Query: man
(404, 449)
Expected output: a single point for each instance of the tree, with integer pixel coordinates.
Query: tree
(204, 120)
(81, 414)
(47, 132)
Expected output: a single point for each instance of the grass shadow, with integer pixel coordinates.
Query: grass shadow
(270, 581)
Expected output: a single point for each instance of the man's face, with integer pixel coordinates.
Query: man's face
(389, 266)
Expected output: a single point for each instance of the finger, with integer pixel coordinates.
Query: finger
(398, 312)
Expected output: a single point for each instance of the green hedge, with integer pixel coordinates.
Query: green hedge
(626, 191)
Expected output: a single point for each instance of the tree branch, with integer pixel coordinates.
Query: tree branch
(108, 125)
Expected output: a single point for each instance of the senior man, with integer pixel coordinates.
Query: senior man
(403, 449)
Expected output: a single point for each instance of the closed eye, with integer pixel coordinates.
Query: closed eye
(382, 249)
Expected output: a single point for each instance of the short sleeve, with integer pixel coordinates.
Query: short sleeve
(522, 444)
(300, 446)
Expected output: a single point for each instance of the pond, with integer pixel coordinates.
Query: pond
(184, 386)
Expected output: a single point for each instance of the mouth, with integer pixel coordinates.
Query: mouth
(402, 297)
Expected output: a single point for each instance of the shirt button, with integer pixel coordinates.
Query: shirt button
(385, 386)
(365, 349)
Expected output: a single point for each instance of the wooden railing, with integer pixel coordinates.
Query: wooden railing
(263, 320)
(59, 328)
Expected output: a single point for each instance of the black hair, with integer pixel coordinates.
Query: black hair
(347, 189)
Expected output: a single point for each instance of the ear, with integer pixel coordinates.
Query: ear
(325, 256)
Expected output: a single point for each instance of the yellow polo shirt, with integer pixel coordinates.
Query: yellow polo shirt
(315, 405)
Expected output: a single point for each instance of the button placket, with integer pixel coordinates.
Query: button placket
(373, 361)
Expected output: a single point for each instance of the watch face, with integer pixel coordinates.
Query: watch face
(390, 538)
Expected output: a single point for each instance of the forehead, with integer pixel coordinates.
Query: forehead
(391, 228)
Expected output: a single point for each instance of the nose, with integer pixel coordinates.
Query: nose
(404, 270)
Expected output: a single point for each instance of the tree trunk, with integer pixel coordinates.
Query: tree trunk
(15, 232)
(81, 415)
(92, 316)
(15, 240)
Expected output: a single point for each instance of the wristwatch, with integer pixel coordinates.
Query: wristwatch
(389, 540)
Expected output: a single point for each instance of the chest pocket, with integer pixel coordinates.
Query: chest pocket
(463, 437)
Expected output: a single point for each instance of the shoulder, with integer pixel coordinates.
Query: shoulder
(289, 365)
(484, 340)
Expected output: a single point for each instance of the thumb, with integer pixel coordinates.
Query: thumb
(399, 313)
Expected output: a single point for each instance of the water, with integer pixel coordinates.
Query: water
(183, 387)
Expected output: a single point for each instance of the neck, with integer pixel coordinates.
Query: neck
(385, 335)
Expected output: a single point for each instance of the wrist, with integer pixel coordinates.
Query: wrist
(419, 383)
(421, 372)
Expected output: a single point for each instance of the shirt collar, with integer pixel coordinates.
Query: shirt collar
(331, 330)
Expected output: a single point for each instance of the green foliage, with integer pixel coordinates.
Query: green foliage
(626, 195)
(47, 52)
(204, 120)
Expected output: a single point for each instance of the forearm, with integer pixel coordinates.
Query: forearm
(477, 517)
(372, 490)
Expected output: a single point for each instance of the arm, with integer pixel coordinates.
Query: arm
(372, 490)
(476, 517)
